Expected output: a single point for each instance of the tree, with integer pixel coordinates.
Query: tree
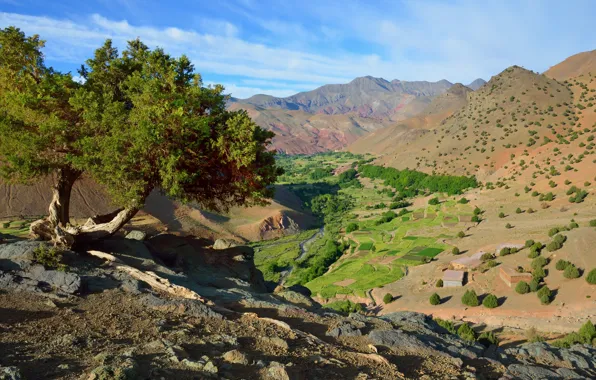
(435, 299)
(455, 251)
(461, 234)
(522, 287)
(518, 211)
(490, 301)
(466, 332)
(562, 264)
(591, 277)
(439, 283)
(434, 201)
(470, 298)
(571, 272)
(501, 215)
(544, 294)
(141, 121)
(587, 332)
(352, 227)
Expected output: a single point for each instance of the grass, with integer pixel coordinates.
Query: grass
(18, 228)
(430, 252)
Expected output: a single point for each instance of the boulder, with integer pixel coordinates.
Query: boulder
(136, 235)
(223, 244)
(67, 282)
(236, 357)
(10, 373)
(343, 330)
(529, 372)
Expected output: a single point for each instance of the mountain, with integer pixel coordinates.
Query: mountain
(475, 85)
(574, 66)
(388, 139)
(365, 96)
(518, 117)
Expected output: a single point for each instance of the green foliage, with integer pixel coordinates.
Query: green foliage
(348, 179)
(587, 332)
(593, 223)
(571, 272)
(345, 307)
(352, 227)
(539, 262)
(447, 325)
(320, 173)
(534, 285)
(539, 273)
(518, 211)
(466, 332)
(490, 301)
(455, 251)
(140, 120)
(387, 298)
(553, 246)
(318, 264)
(331, 206)
(50, 258)
(591, 277)
(488, 338)
(439, 283)
(522, 287)
(435, 299)
(544, 294)
(461, 234)
(501, 215)
(414, 181)
(470, 298)
(553, 231)
(505, 251)
(508, 226)
(562, 264)
(529, 243)
(434, 201)
(386, 217)
(463, 201)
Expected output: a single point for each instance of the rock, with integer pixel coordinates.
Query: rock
(358, 317)
(295, 298)
(19, 250)
(577, 361)
(530, 372)
(567, 373)
(235, 357)
(210, 367)
(343, 330)
(540, 351)
(136, 235)
(396, 339)
(194, 364)
(224, 244)
(189, 307)
(66, 340)
(63, 367)
(276, 342)
(10, 373)
(275, 371)
(67, 282)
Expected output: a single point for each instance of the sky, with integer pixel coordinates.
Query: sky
(281, 47)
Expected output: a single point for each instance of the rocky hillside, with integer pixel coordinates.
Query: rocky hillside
(99, 321)
(574, 66)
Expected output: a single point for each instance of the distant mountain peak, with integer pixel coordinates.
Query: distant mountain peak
(476, 84)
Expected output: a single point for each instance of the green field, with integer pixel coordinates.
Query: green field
(18, 228)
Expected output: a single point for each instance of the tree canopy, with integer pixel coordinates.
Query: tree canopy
(138, 120)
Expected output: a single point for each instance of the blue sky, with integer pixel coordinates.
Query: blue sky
(283, 47)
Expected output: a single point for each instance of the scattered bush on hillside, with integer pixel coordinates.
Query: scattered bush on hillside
(434, 201)
(508, 226)
(562, 264)
(534, 285)
(447, 325)
(533, 336)
(501, 215)
(461, 234)
(387, 298)
(518, 211)
(435, 299)
(487, 256)
(455, 251)
(571, 272)
(539, 273)
(553, 231)
(439, 283)
(591, 277)
(531, 211)
(593, 223)
(522, 287)
(573, 225)
(586, 335)
(463, 201)
(544, 294)
(539, 262)
(490, 301)
(386, 217)
(553, 246)
(488, 338)
(466, 332)
(345, 307)
(529, 243)
(320, 173)
(533, 254)
(470, 298)
(505, 251)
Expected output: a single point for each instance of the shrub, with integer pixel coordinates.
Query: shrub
(529, 243)
(50, 258)
(504, 251)
(447, 325)
(463, 201)
(439, 283)
(522, 287)
(539, 262)
(455, 251)
(545, 300)
(591, 277)
(461, 234)
(434, 201)
(488, 338)
(387, 298)
(345, 307)
(470, 298)
(553, 231)
(490, 301)
(534, 285)
(573, 225)
(562, 264)
(352, 227)
(571, 272)
(544, 293)
(466, 333)
(593, 223)
(501, 215)
(475, 219)
(508, 226)
(486, 257)
(553, 246)
(531, 211)
(533, 254)
(518, 211)
(435, 299)
(533, 336)
(6, 225)
(587, 332)
(539, 273)
(560, 239)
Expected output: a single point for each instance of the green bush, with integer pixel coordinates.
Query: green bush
(439, 283)
(6, 225)
(539, 262)
(593, 223)
(534, 284)
(352, 227)
(470, 298)
(518, 211)
(508, 226)
(529, 243)
(455, 251)
(539, 273)
(435, 299)
(553, 246)
(587, 332)
(560, 239)
(533, 254)
(434, 201)
(490, 301)
(553, 231)
(591, 277)
(522, 287)
(461, 234)
(387, 298)
(447, 325)
(571, 272)
(501, 215)
(488, 338)
(50, 258)
(463, 201)
(562, 264)
(504, 251)
(345, 307)
(466, 333)
(486, 257)
(544, 291)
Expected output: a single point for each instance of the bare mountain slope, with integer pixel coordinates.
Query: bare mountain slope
(574, 66)
(391, 138)
(475, 85)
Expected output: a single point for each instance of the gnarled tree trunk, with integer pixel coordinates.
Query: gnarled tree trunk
(57, 228)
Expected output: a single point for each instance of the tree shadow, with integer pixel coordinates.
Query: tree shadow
(501, 300)
(446, 299)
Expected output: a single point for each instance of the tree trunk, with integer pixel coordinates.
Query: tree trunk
(60, 205)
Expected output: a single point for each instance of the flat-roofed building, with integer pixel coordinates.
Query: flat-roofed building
(467, 262)
(511, 277)
(452, 278)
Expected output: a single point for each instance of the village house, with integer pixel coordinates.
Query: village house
(452, 278)
(511, 276)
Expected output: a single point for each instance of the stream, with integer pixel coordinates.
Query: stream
(303, 253)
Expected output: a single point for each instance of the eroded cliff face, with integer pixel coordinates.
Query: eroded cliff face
(278, 225)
